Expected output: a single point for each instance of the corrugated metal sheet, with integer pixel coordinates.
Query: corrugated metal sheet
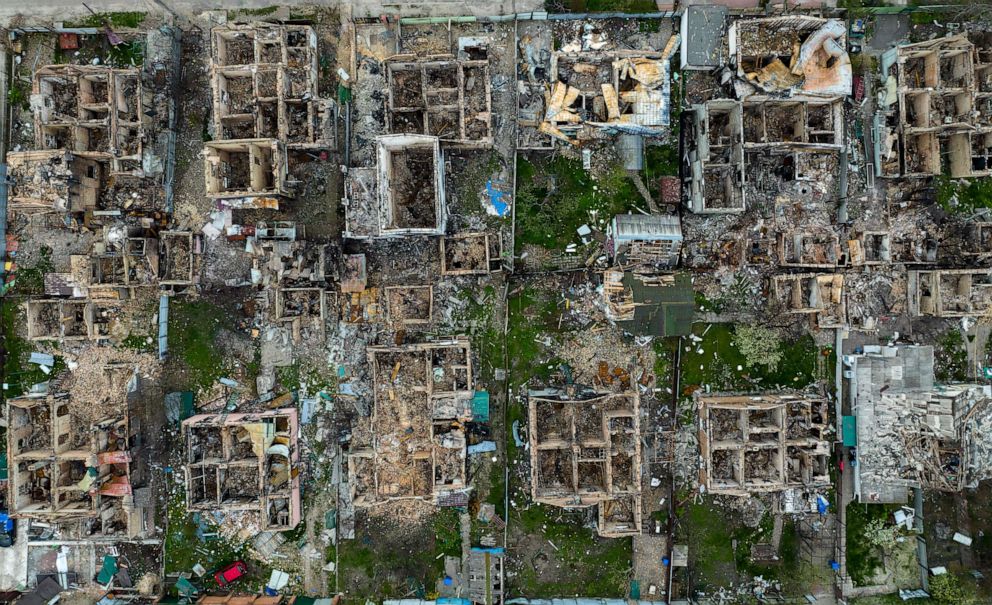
(163, 326)
(627, 227)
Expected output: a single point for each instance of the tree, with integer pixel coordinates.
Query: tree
(759, 346)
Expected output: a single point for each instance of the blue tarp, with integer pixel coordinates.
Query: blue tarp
(480, 448)
(500, 207)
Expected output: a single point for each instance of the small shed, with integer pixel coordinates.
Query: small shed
(654, 239)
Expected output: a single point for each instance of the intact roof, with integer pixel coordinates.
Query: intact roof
(646, 227)
(703, 35)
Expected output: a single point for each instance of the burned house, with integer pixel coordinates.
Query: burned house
(422, 398)
(645, 240)
(264, 80)
(935, 115)
(910, 432)
(410, 306)
(304, 309)
(811, 250)
(440, 96)
(246, 173)
(90, 109)
(950, 292)
(118, 266)
(178, 250)
(818, 295)
(790, 75)
(876, 248)
(471, 253)
(716, 162)
(403, 195)
(794, 141)
(62, 319)
(245, 462)
(585, 450)
(56, 180)
(763, 443)
(69, 464)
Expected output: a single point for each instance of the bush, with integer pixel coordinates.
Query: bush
(759, 346)
(947, 588)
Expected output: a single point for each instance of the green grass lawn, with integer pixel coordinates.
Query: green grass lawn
(720, 549)
(717, 365)
(122, 19)
(557, 196)
(710, 538)
(193, 328)
(183, 549)
(398, 560)
(590, 566)
(533, 315)
(18, 373)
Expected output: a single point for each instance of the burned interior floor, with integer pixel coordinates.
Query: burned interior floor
(676, 306)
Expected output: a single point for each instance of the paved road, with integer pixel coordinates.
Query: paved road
(68, 8)
(14, 561)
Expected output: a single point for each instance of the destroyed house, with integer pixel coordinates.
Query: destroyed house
(597, 92)
(440, 96)
(884, 247)
(715, 164)
(791, 55)
(910, 432)
(247, 173)
(66, 319)
(403, 195)
(264, 80)
(812, 250)
(950, 292)
(245, 462)
(90, 109)
(819, 295)
(639, 239)
(67, 465)
(422, 398)
(177, 250)
(56, 180)
(763, 443)
(471, 253)
(936, 114)
(646, 302)
(116, 267)
(585, 450)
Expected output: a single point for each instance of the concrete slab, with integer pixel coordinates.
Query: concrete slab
(889, 29)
